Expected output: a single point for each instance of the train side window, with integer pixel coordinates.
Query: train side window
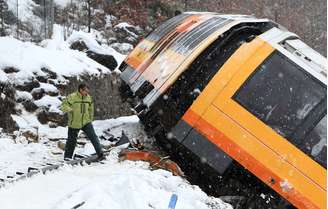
(281, 94)
(316, 142)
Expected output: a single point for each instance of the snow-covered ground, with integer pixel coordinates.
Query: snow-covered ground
(111, 184)
(17, 154)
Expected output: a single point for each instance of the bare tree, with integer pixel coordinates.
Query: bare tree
(3, 7)
(89, 2)
(45, 19)
(17, 22)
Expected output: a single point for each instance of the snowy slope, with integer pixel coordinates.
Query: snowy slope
(112, 185)
(29, 59)
(17, 154)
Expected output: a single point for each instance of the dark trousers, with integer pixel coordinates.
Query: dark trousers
(71, 140)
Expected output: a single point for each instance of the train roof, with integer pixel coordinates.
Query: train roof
(291, 46)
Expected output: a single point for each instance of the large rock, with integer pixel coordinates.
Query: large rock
(127, 34)
(79, 45)
(48, 75)
(29, 105)
(38, 93)
(7, 107)
(28, 86)
(103, 59)
(46, 117)
(10, 70)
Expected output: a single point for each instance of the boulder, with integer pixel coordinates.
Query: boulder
(10, 70)
(79, 45)
(7, 107)
(30, 136)
(127, 35)
(61, 145)
(103, 59)
(45, 117)
(28, 86)
(29, 105)
(38, 93)
(49, 73)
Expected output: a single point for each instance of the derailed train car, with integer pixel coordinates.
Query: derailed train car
(239, 102)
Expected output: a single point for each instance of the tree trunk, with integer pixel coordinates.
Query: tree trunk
(1, 16)
(17, 23)
(89, 16)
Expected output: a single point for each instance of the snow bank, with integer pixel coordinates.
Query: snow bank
(18, 155)
(112, 185)
(29, 59)
(48, 101)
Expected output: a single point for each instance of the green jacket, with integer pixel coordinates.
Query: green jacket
(79, 108)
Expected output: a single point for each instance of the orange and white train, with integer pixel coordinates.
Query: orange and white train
(239, 102)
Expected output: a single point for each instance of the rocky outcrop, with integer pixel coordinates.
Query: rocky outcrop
(127, 34)
(104, 90)
(80, 46)
(41, 94)
(104, 59)
(46, 117)
(7, 107)
(28, 86)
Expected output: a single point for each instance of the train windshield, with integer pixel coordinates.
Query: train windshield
(285, 97)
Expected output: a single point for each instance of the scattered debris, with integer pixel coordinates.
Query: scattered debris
(155, 161)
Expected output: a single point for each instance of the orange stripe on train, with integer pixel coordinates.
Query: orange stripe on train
(243, 157)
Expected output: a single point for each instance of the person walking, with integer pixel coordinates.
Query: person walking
(80, 109)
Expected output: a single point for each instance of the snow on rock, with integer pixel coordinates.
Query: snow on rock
(93, 45)
(48, 87)
(48, 101)
(23, 96)
(25, 120)
(29, 59)
(123, 48)
(119, 185)
(127, 27)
